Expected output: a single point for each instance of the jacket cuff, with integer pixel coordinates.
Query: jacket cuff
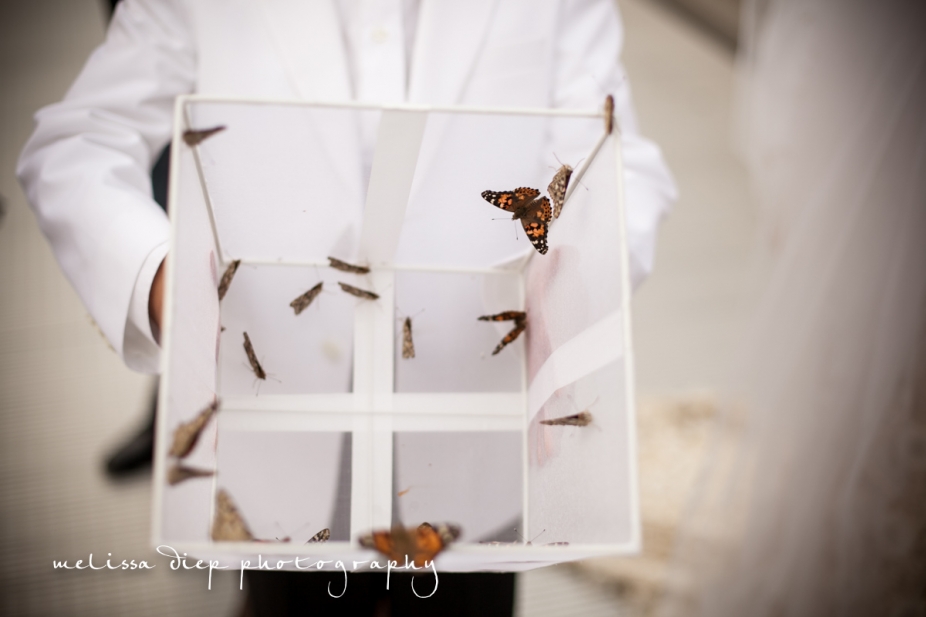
(140, 348)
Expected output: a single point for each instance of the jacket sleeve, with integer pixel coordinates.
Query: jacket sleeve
(587, 68)
(85, 170)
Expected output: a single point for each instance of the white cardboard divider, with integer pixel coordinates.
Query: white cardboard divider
(394, 161)
(572, 360)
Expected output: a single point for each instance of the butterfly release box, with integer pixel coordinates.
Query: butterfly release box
(323, 425)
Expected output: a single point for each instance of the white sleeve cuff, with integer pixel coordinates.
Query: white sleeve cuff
(141, 351)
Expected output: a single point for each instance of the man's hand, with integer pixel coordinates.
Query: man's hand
(156, 301)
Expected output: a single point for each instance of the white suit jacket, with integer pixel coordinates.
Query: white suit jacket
(86, 168)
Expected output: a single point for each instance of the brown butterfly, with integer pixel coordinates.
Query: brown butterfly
(583, 418)
(557, 188)
(252, 358)
(194, 138)
(360, 293)
(227, 277)
(187, 434)
(535, 214)
(415, 545)
(228, 524)
(520, 321)
(303, 301)
(180, 473)
(321, 536)
(343, 266)
(408, 345)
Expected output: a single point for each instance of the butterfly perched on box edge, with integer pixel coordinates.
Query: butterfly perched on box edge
(557, 188)
(227, 277)
(526, 205)
(194, 137)
(420, 545)
(321, 536)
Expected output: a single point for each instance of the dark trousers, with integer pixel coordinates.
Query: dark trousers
(280, 594)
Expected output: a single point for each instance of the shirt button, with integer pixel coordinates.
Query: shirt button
(380, 36)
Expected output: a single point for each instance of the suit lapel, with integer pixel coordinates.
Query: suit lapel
(448, 40)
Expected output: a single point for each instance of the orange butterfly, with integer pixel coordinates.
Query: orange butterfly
(418, 546)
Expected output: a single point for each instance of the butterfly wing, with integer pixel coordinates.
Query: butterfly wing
(536, 222)
(505, 316)
(511, 200)
(511, 336)
(428, 543)
(229, 525)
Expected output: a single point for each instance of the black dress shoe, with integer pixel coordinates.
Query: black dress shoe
(137, 453)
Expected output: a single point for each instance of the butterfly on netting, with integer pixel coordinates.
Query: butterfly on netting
(408, 344)
(181, 473)
(520, 324)
(302, 302)
(583, 418)
(412, 545)
(187, 434)
(526, 205)
(252, 358)
(229, 525)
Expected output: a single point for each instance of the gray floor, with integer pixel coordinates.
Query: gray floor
(65, 398)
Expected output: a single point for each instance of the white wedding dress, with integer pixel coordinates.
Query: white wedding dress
(813, 501)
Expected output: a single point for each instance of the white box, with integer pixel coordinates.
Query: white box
(345, 433)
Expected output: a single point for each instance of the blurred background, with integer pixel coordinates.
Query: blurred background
(66, 399)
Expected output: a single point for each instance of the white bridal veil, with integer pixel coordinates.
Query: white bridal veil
(813, 500)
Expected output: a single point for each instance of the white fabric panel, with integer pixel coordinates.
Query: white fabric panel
(283, 484)
(190, 346)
